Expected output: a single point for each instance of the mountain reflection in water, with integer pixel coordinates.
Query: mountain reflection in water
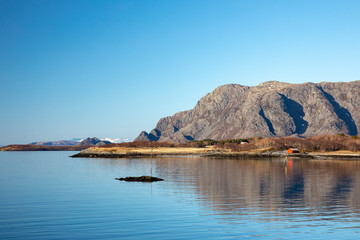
(47, 195)
(266, 199)
(292, 188)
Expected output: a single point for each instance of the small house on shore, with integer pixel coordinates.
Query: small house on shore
(293, 150)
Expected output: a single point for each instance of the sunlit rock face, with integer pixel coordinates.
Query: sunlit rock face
(271, 109)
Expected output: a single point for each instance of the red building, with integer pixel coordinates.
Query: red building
(293, 150)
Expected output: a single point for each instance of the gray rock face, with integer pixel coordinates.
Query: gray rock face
(268, 110)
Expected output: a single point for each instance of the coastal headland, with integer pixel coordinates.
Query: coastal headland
(326, 147)
(338, 146)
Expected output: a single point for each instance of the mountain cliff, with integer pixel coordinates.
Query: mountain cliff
(271, 109)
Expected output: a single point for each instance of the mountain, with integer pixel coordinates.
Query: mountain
(271, 109)
(56, 143)
(73, 142)
(92, 141)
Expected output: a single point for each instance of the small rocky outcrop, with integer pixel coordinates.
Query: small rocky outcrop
(140, 179)
(271, 109)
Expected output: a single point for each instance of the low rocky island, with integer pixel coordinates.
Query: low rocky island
(30, 147)
(61, 145)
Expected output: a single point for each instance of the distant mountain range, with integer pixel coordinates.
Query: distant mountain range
(56, 143)
(80, 142)
(271, 109)
(74, 144)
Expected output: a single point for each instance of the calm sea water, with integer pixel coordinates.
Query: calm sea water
(47, 195)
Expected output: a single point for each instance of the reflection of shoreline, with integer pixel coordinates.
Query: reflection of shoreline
(230, 186)
(242, 187)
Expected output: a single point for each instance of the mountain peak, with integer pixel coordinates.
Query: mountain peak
(269, 109)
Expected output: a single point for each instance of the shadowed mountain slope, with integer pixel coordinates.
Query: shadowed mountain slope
(271, 109)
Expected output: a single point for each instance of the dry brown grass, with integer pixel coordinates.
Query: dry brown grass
(147, 150)
(149, 144)
(338, 144)
(262, 150)
(328, 143)
(341, 152)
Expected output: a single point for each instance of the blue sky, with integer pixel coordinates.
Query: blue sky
(114, 68)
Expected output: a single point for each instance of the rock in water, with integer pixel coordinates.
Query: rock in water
(140, 179)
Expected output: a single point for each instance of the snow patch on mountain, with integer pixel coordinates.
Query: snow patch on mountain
(115, 140)
(76, 139)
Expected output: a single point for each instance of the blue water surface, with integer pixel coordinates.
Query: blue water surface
(47, 195)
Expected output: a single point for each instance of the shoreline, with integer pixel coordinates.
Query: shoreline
(217, 155)
(28, 148)
(186, 152)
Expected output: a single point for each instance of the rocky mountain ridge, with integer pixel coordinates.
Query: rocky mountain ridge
(93, 141)
(271, 109)
(62, 145)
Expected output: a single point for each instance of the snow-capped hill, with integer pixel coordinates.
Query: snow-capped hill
(115, 140)
(81, 141)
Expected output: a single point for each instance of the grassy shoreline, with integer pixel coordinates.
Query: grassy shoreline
(208, 152)
(318, 147)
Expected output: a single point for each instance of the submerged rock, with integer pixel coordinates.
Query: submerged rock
(140, 179)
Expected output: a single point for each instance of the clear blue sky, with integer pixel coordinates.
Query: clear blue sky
(114, 68)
